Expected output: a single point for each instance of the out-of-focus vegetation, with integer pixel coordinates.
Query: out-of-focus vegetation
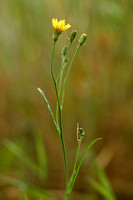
(99, 95)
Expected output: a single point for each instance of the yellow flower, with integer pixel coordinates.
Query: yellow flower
(60, 26)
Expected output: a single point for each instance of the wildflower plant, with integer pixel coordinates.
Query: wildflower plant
(60, 85)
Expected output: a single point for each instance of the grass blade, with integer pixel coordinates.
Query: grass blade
(103, 177)
(101, 189)
(104, 183)
(18, 151)
(41, 154)
(28, 188)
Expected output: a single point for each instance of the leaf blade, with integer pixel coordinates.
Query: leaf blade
(101, 189)
(49, 108)
(41, 153)
(18, 151)
(80, 162)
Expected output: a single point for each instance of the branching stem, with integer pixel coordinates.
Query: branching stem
(60, 115)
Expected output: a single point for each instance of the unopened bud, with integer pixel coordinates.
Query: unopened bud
(81, 132)
(82, 39)
(73, 35)
(64, 50)
(64, 54)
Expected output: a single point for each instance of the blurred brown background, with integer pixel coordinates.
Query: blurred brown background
(99, 93)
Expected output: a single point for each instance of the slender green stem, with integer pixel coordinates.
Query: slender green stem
(67, 193)
(52, 63)
(64, 83)
(60, 115)
(77, 155)
(59, 94)
(66, 197)
(60, 76)
(64, 61)
(80, 162)
(79, 140)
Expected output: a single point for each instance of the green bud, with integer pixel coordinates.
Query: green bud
(73, 35)
(64, 50)
(82, 39)
(81, 132)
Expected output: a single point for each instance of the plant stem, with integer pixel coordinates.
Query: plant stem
(64, 83)
(64, 61)
(66, 197)
(80, 162)
(74, 168)
(68, 189)
(60, 115)
(60, 76)
(59, 91)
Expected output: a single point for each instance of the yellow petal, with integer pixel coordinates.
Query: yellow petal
(66, 27)
(60, 26)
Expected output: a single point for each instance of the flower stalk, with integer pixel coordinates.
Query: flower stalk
(67, 74)
(59, 85)
(60, 114)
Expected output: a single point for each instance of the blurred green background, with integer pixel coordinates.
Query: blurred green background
(99, 95)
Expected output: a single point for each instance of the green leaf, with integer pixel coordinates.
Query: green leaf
(18, 151)
(41, 154)
(103, 177)
(104, 182)
(25, 196)
(49, 108)
(80, 162)
(27, 188)
(101, 189)
(6, 159)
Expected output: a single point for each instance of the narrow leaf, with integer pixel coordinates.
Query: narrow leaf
(28, 188)
(102, 190)
(80, 162)
(18, 151)
(41, 154)
(104, 179)
(49, 108)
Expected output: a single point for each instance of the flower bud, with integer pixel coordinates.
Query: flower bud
(73, 35)
(81, 132)
(64, 50)
(82, 39)
(64, 53)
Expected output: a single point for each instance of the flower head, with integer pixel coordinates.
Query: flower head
(82, 39)
(60, 26)
(73, 35)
